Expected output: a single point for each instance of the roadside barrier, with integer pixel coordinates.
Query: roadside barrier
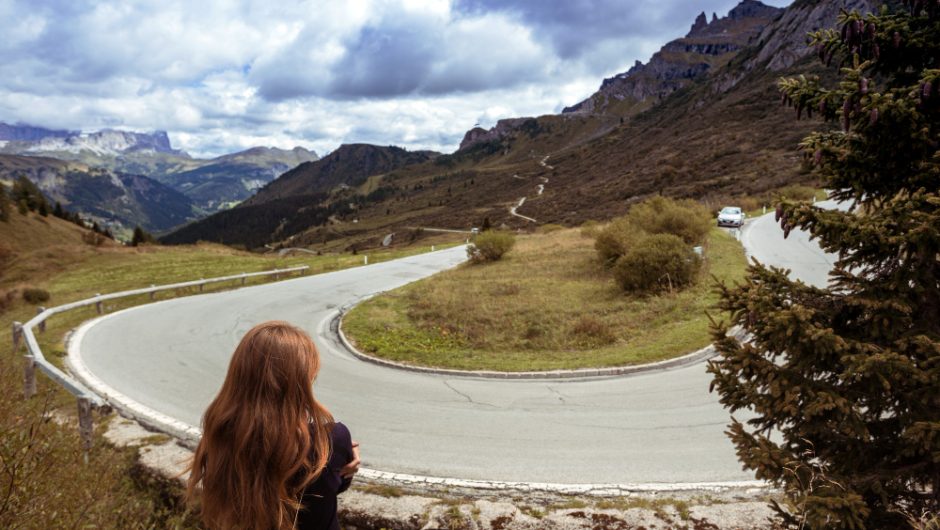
(88, 400)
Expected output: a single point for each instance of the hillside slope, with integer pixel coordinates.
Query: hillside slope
(212, 184)
(719, 137)
(114, 199)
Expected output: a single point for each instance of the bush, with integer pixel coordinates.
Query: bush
(684, 218)
(490, 246)
(616, 238)
(657, 263)
(550, 227)
(34, 295)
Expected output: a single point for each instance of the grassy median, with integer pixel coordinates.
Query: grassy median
(549, 304)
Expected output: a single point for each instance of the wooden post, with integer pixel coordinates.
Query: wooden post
(85, 425)
(153, 294)
(29, 377)
(17, 335)
(99, 306)
(42, 325)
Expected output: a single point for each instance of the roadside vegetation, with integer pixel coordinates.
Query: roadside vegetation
(44, 482)
(550, 303)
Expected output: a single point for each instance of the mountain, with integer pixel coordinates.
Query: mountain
(307, 196)
(212, 184)
(114, 199)
(718, 136)
(349, 165)
(227, 180)
(707, 46)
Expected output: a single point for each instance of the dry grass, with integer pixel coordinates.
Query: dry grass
(548, 304)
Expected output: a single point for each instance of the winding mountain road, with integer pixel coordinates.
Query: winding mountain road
(649, 428)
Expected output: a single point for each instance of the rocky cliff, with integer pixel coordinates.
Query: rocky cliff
(707, 46)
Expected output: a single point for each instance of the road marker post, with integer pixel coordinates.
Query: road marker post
(42, 324)
(432, 248)
(29, 377)
(17, 335)
(85, 426)
(365, 260)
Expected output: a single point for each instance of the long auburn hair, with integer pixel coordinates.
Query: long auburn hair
(264, 437)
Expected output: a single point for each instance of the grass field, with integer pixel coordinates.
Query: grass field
(548, 304)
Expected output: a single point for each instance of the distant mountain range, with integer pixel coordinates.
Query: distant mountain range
(115, 199)
(208, 185)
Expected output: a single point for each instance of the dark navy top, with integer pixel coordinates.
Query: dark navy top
(319, 499)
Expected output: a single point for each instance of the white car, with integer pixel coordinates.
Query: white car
(731, 216)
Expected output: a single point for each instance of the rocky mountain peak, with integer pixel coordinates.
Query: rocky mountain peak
(701, 22)
(707, 44)
(752, 9)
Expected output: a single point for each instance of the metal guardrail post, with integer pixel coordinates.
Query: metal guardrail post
(85, 425)
(99, 305)
(202, 285)
(243, 278)
(153, 294)
(42, 325)
(29, 377)
(277, 274)
(17, 336)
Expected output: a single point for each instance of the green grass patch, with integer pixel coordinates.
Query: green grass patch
(549, 304)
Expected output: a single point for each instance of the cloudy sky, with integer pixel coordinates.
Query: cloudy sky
(221, 76)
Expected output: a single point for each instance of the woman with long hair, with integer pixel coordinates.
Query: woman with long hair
(271, 456)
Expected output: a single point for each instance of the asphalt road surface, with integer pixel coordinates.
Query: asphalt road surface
(650, 428)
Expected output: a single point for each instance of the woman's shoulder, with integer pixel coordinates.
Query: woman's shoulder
(340, 434)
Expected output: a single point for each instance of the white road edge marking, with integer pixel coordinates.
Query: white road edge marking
(188, 433)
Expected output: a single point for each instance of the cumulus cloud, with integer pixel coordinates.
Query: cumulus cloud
(223, 75)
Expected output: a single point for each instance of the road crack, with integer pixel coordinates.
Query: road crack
(467, 396)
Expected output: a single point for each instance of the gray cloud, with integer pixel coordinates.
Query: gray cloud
(223, 75)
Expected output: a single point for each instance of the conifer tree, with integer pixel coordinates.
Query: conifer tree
(841, 385)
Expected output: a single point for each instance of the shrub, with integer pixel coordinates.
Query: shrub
(550, 227)
(490, 246)
(657, 263)
(6, 299)
(684, 218)
(34, 295)
(594, 331)
(616, 238)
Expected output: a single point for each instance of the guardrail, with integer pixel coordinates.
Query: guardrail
(88, 400)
